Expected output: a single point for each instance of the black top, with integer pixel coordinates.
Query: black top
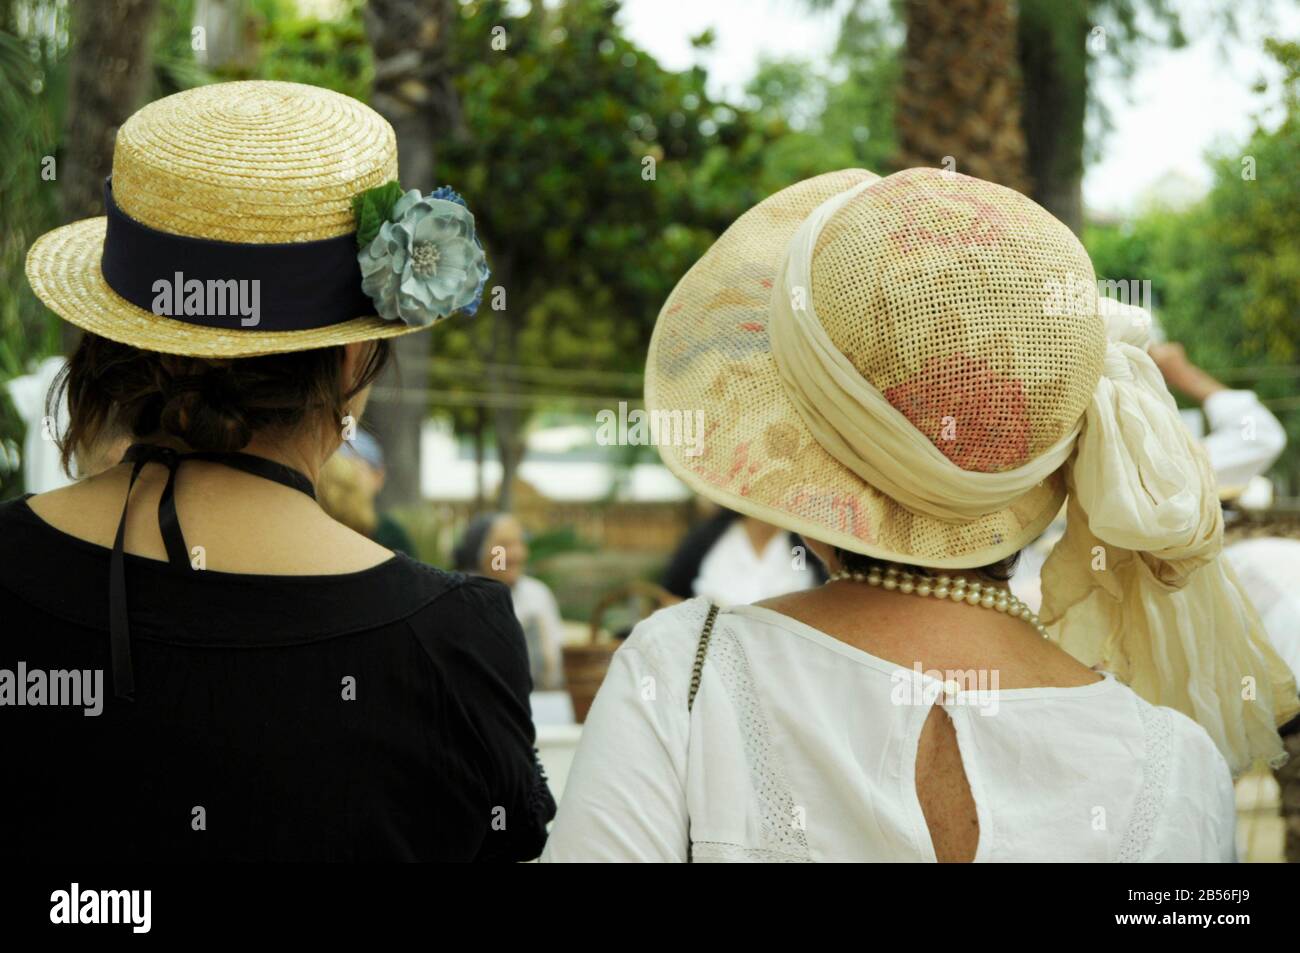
(169, 525)
(381, 714)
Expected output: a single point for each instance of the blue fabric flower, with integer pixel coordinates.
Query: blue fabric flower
(426, 263)
(448, 193)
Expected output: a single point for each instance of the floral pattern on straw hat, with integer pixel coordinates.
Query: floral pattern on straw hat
(421, 260)
(975, 416)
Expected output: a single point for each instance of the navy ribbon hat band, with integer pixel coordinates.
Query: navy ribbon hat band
(301, 285)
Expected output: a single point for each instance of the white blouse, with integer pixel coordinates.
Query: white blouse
(801, 747)
(733, 573)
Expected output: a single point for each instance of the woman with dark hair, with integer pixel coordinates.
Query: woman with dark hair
(208, 666)
(912, 373)
(368, 456)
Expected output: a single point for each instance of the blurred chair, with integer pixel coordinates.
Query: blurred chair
(585, 665)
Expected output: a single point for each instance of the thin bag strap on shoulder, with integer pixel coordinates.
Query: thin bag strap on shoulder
(696, 672)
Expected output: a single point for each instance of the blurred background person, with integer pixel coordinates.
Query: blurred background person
(42, 470)
(44, 412)
(1269, 570)
(366, 450)
(349, 488)
(346, 493)
(1244, 438)
(1243, 441)
(494, 545)
(732, 559)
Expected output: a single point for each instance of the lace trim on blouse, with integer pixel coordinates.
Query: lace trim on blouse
(717, 852)
(782, 836)
(1157, 730)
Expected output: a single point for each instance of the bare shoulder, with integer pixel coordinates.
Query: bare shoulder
(791, 601)
(272, 531)
(348, 550)
(86, 508)
(939, 633)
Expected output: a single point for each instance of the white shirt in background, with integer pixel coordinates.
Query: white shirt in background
(1269, 570)
(539, 617)
(42, 469)
(732, 573)
(801, 747)
(1245, 439)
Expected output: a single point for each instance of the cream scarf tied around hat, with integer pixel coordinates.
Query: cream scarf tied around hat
(1162, 609)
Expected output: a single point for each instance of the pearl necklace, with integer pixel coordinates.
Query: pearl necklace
(945, 587)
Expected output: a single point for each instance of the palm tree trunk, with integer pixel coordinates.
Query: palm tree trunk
(107, 78)
(959, 98)
(1055, 102)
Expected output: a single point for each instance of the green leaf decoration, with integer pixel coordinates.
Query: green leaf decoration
(372, 208)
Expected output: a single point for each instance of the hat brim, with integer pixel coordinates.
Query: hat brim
(710, 354)
(63, 269)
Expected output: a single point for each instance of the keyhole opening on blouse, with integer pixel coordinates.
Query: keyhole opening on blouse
(944, 791)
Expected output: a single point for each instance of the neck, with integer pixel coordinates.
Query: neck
(760, 533)
(298, 452)
(301, 455)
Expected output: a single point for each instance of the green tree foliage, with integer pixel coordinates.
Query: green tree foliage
(280, 43)
(334, 53)
(597, 177)
(834, 117)
(174, 65)
(1226, 272)
(33, 40)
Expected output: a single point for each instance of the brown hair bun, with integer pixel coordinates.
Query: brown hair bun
(214, 404)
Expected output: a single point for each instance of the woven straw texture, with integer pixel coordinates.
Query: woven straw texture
(251, 162)
(967, 305)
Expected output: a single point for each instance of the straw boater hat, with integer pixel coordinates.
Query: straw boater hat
(917, 368)
(259, 181)
(245, 219)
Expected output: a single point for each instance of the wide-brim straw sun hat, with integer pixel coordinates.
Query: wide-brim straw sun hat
(918, 368)
(236, 182)
(973, 356)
